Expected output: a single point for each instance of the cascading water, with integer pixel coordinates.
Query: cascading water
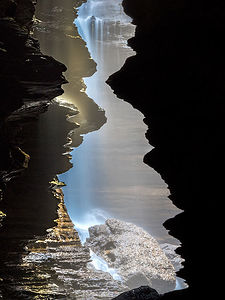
(96, 22)
(109, 174)
(101, 264)
(91, 30)
(91, 218)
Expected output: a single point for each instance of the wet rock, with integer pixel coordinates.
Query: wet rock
(24, 69)
(57, 266)
(30, 110)
(135, 255)
(28, 79)
(39, 76)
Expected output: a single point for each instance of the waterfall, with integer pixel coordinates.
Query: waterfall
(91, 218)
(100, 264)
(91, 29)
(97, 24)
(93, 23)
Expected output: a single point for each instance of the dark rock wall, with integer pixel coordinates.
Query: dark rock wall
(177, 80)
(30, 74)
(21, 10)
(26, 75)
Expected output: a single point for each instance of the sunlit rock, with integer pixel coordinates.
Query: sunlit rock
(58, 266)
(2, 215)
(135, 254)
(64, 232)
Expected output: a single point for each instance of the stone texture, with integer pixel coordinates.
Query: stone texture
(28, 79)
(33, 74)
(135, 255)
(40, 255)
(56, 265)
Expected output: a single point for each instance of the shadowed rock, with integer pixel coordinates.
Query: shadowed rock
(55, 265)
(28, 79)
(176, 80)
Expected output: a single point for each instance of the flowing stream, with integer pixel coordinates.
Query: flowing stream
(108, 177)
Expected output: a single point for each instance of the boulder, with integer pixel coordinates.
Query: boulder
(134, 253)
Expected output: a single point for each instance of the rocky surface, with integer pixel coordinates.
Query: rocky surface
(135, 255)
(176, 80)
(56, 265)
(41, 256)
(28, 79)
(58, 37)
(27, 203)
(25, 72)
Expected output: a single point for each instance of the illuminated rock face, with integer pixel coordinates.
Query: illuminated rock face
(63, 234)
(135, 255)
(57, 265)
(2, 215)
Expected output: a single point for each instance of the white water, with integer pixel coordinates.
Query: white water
(97, 22)
(93, 26)
(95, 217)
(90, 218)
(101, 264)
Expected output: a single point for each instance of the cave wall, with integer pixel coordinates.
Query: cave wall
(176, 80)
(28, 79)
(25, 72)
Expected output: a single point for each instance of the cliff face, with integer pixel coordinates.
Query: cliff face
(28, 79)
(40, 255)
(35, 76)
(176, 80)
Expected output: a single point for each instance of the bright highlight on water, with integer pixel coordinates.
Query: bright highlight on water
(95, 217)
(101, 264)
(95, 181)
